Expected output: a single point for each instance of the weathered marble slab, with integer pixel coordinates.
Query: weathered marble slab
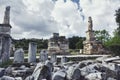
(32, 52)
(43, 56)
(63, 59)
(19, 56)
(53, 58)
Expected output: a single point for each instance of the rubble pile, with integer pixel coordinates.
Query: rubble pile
(102, 68)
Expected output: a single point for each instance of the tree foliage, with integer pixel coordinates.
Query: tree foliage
(118, 17)
(76, 42)
(102, 35)
(114, 43)
(24, 43)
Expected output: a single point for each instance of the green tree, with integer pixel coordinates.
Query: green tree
(114, 43)
(79, 44)
(118, 17)
(102, 35)
(24, 43)
(76, 42)
(72, 42)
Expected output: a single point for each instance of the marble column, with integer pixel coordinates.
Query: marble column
(5, 38)
(32, 52)
(5, 47)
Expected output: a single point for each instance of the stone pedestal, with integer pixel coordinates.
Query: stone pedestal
(53, 58)
(5, 46)
(63, 59)
(91, 46)
(19, 56)
(43, 56)
(32, 52)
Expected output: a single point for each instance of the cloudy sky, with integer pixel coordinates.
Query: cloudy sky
(41, 18)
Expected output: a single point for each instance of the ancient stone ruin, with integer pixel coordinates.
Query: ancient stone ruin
(5, 37)
(69, 67)
(43, 56)
(58, 44)
(32, 52)
(91, 45)
(19, 56)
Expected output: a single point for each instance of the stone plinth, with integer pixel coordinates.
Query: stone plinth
(63, 59)
(19, 56)
(53, 58)
(92, 47)
(32, 52)
(43, 56)
(5, 41)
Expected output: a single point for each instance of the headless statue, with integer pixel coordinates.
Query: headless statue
(90, 25)
(7, 15)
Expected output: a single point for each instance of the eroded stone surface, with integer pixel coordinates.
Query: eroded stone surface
(43, 56)
(19, 56)
(54, 58)
(91, 45)
(5, 37)
(82, 70)
(32, 52)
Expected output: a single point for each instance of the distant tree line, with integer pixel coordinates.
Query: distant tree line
(75, 42)
(24, 43)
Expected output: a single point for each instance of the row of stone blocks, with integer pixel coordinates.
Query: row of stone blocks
(19, 55)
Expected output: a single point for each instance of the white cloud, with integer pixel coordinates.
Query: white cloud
(68, 16)
(40, 18)
(102, 12)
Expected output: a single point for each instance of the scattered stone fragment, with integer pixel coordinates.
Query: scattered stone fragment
(7, 78)
(41, 72)
(18, 78)
(45, 70)
(94, 76)
(73, 73)
(2, 71)
(59, 75)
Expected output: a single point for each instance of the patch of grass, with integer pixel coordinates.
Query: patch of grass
(74, 51)
(6, 64)
(26, 54)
